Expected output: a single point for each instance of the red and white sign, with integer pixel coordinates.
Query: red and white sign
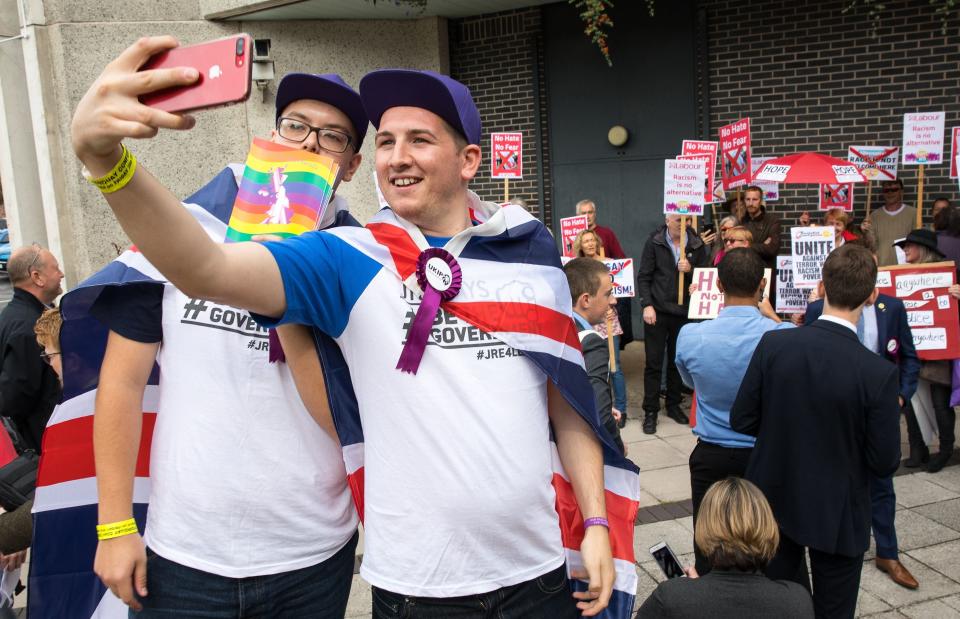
(707, 150)
(707, 194)
(735, 154)
(506, 155)
(954, 152)
(876, 163)
(570, 227)
(836, 196)
(771, 190)
(931, 311)
(621, 273)
(683, 187)
(923, 138)
(707, 300)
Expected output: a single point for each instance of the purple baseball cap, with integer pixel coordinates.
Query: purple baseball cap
(434, 92)
(328, 88)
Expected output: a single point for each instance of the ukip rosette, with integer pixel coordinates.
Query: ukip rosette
(283, 192)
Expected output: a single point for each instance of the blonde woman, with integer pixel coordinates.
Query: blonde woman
(737, 532)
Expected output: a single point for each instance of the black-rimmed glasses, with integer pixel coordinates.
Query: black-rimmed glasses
(48, 356)
(330, 140)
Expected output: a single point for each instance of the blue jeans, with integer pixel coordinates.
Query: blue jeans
(545, 597)
(318, 591)
(619, 383)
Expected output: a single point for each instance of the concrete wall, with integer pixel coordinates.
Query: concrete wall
(75, 39)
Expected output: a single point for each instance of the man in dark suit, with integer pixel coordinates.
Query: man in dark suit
(824, 411)
(591, 290)
(883, 329)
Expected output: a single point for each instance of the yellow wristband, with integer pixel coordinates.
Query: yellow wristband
(121, 174)
(116, 529)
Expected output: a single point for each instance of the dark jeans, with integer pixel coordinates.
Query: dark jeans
(836, 578)
(709, 463)
(320, 591)
(545, 597)
(658, 339)
(946, 415)
(883, 510)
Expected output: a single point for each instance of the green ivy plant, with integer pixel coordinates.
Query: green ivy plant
(944, 9)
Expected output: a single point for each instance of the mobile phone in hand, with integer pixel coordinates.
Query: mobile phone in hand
(708, 228)
(667, 561)
(225, 71)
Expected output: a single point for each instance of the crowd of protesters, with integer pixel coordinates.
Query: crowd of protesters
(794, 457)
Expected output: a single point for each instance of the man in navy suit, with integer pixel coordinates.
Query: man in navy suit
(824, 411)
(883, 329)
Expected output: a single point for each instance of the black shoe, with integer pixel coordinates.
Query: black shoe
(940, 460)
(918, 457)
(623, 421)
(674, 412)
(650, 423)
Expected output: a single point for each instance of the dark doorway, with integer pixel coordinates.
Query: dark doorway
(651, 90)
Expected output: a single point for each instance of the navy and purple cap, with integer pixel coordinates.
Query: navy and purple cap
(328, 88)
(434, 92)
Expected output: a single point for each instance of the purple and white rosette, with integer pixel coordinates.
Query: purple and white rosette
(440, 278)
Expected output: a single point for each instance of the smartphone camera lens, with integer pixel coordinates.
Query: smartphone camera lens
(240, 46)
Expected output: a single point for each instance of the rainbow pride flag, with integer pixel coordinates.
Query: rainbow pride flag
(284, 191)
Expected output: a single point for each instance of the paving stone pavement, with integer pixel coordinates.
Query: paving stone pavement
(928, 520)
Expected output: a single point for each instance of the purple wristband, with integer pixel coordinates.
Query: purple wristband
(595, 522)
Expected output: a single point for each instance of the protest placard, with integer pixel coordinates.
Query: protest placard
(705, 161)
(570, 227)
(506, 155)
(707, 300)
(771, 189)
(931, 311)
(707, 149)
(621, 272)
(836, 196)
(790, 299)
(876, 163)
(923, 138)
(954, 146)
(683, 187)
(810, 246)
(735, 167)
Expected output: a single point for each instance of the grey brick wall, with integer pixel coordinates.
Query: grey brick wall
(498, 57)
(809, 76)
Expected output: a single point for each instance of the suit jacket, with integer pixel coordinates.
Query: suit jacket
(727, 594)
(893, 332)
(29, 388)
(596, 359)
(824, 411)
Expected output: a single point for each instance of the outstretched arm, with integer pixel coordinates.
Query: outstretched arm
(240, 274)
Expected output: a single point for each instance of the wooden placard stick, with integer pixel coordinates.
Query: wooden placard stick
(506, 189)
(610, 348)
(683, 249)
(869, 197)
(920, 197)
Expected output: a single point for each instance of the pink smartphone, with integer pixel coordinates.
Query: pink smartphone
(224, 66)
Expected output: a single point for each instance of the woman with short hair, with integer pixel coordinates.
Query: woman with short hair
(738, 534)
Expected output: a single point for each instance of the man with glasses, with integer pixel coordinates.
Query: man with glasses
(29, 388)
(891, 223)
(250, 513)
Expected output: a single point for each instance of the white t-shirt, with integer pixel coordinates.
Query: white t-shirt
(458, 495)
(244, 481)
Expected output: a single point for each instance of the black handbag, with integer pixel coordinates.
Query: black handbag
(18, 480)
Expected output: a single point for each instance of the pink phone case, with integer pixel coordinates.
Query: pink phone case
(225, 69)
